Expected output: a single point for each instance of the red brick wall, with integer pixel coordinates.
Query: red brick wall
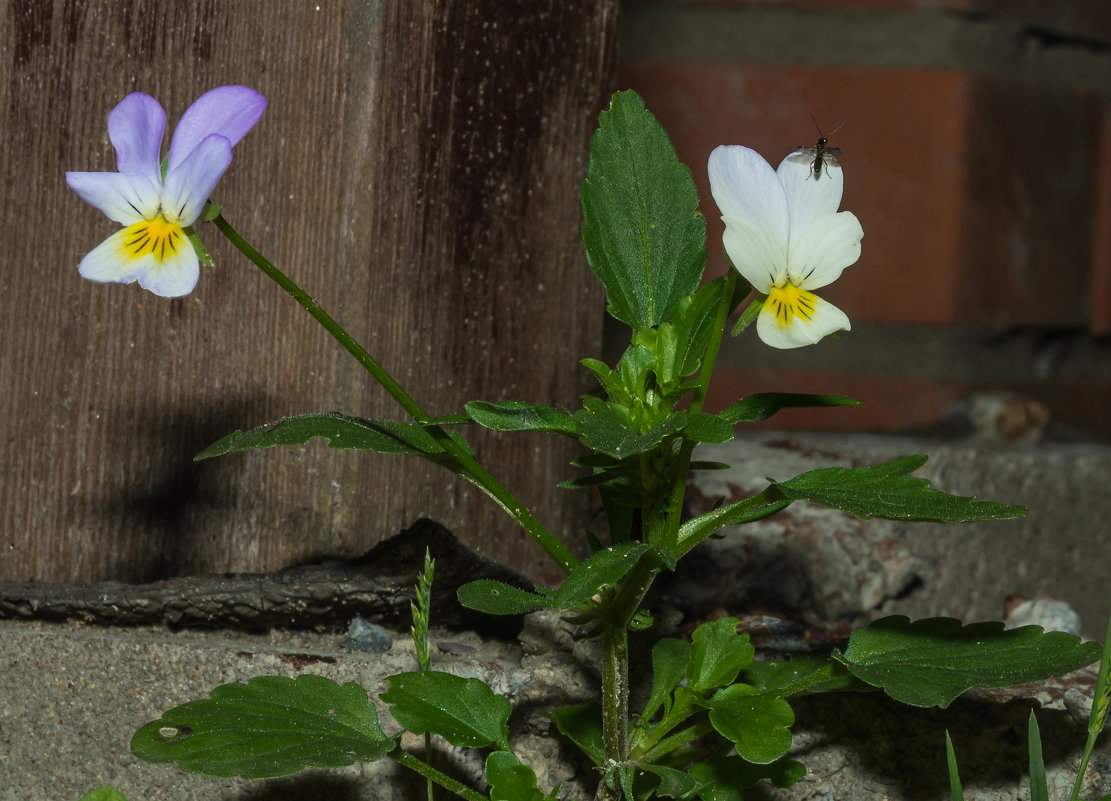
(977, 141)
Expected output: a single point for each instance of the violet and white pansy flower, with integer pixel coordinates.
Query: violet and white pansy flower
(783, 233)
(156, 212)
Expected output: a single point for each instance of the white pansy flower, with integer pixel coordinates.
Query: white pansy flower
(784, 234)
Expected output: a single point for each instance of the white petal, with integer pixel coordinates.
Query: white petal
(174, 276)
(758, 258)
(110, 262)
(744, 185)
(825, 319)
(824, 250)
(123, 198)
(810, 197)
(189, 184)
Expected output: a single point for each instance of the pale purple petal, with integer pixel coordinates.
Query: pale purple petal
(135, 127)
(229, 111)
(800, 331)
(189, 184)
(744, 185)
(809, 197)
(123, 198)
(110, 262)
(824, 250)
(174, 276)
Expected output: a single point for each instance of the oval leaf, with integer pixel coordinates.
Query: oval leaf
(463, 711)
(496, 598)
(270, 726)
(341, 431)
(520, 416)
(931, 662)
(758, 725)
(886, 491)
(601, 570)
(718, 654)
(509, 779)
(644, 237)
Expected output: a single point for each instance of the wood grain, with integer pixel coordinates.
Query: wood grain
(417, 171)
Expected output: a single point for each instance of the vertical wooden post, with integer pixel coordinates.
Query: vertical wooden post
(417, 171)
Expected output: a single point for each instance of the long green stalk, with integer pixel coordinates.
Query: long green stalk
(467, 464)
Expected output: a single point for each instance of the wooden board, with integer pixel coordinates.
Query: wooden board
(417, 171)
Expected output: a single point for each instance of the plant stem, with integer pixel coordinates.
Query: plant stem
(469, 468)
(408, 760)
(683, 462)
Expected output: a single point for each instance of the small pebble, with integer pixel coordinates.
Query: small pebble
(1049, 614)
(365, 636)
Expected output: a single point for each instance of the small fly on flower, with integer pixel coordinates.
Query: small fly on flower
(821, 151)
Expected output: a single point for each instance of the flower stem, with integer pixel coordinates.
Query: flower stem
(408, 760)
(469, 468)
(683, 462)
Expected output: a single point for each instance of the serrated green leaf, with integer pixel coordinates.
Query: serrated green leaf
(509, 779)
(644, 237)
(930, 662)
(520, 416)
(718, 654)
(341, 431)
(606, 429)
(464, 712)
(727, 778)
(669, 667)
(582, 725)
(886, 491)
(603, 569)
(762, 405)
(270, 726)
(103, 794)
(759, 726)
(496, 598)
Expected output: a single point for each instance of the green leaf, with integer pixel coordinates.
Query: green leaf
(727, 778)
(801, 675)
(669, 667)
(496, 598)
(644, 237)
(718, 654)
(931, 662)
(887, 491)
(762, 405)
(701, 427)
(582, 725)
(1039, 787)
(663, 781)
(103, 794)
(463, 711)
(509, 779)
(520, 416)
(606, 429)
(758, 725)
(603, 569)
(270, 726)
(956, 793)
(341, 431)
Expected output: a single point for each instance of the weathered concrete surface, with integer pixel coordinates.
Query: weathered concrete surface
(75, 693)
(832, 567)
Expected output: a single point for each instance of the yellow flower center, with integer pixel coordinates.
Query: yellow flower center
(789, 301)
(158, 237)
